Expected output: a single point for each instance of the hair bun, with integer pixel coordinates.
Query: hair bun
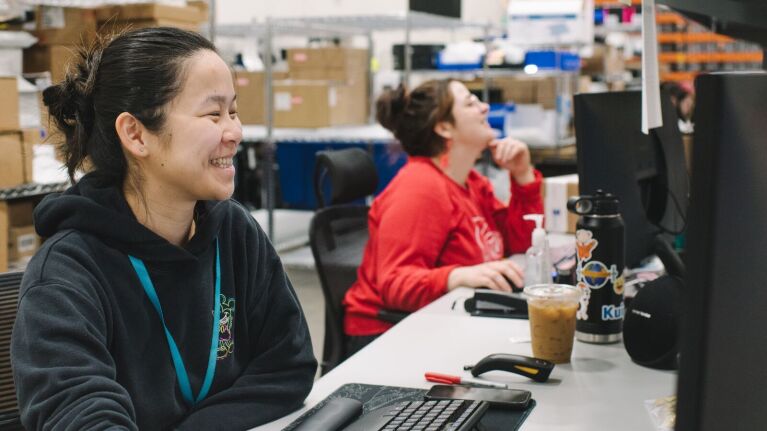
(390, 108)
(71, 106)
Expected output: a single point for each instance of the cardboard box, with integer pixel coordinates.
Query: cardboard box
(3, 236)
(317, 104)
(527, 90)
(20, 212)
(22, 242)
(519, 91)
(116, 27)
(606, 61)
(333, 63)
(546, 92)
(556, 192)
(9, 104)
(65, 25)
(249, 87)
(29, 138)
(50, 58)
(192, 14)
(12, 160)
(116, 19)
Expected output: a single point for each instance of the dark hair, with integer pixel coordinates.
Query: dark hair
(138, 72)
(412, 117)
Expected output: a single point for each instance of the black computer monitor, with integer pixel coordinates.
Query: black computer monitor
(450, 8)
(741, 19)
(722, 374)
(648, 173)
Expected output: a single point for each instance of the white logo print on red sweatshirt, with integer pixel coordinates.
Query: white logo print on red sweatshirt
(489, 241)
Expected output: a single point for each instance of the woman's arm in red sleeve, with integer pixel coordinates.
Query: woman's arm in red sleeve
(411, 235)
(525, 199)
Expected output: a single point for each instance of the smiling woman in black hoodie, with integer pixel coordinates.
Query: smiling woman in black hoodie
(156, 301)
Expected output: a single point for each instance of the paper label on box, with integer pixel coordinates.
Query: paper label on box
(242, 81)
(300, 57)
(52, 17)
(282, 101)
(26, 243)
(332, 97)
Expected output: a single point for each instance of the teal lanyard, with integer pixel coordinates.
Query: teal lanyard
(178, 363)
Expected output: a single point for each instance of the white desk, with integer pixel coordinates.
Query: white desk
(601, 389)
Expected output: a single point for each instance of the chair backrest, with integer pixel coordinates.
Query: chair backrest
(337, 236)
(9, 299)
(351, 173)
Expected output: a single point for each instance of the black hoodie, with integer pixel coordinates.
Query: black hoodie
(89, 351)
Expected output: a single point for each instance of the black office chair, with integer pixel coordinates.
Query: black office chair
(337, 235)
(9, 299)
(351, 173)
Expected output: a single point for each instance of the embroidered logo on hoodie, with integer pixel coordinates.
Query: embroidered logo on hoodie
(226, 337)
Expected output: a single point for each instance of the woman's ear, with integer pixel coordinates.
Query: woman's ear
(131, 133)
(444, 129)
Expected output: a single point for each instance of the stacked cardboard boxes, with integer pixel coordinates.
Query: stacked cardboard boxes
(135, 16)
(250, 95)
(327, 87)
(249, 87)
(61, 29)
(316, 103)
(12, 163)
(349, 65)
(523, 90)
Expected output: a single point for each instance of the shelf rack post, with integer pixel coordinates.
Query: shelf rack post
(269, 141)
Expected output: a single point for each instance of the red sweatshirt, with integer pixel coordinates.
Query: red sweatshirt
(422, 226)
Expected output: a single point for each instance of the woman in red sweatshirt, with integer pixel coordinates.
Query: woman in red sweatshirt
(438, 225)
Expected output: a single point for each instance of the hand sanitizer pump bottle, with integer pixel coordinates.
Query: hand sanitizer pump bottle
(537, 257)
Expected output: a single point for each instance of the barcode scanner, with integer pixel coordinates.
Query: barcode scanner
(534, 368)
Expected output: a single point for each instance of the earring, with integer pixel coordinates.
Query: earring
(141, 150)
(444, 160)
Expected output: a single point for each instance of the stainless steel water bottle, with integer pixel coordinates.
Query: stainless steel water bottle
(600, 250)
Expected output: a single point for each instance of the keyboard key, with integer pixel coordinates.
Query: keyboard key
(432, 415)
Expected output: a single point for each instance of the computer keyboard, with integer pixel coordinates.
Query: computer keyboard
(434, 415)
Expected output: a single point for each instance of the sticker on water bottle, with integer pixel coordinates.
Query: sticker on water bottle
(586, 244)
(611, 312)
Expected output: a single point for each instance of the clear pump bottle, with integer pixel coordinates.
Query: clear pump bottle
(537, 257)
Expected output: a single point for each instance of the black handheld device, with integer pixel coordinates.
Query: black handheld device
(507, 398)
(492, 303)
(534, 368)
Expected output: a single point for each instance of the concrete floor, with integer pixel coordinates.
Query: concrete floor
(307, 286)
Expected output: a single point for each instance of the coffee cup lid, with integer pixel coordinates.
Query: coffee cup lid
(552, 291)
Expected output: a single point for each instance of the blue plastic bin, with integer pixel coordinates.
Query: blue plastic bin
(553, 60)
(296, 160)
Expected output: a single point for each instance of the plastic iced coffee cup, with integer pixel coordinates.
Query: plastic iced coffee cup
(552, 308)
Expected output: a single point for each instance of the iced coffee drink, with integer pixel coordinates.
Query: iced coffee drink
(552, 309)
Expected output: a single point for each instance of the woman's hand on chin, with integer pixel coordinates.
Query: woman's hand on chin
(514, 156)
